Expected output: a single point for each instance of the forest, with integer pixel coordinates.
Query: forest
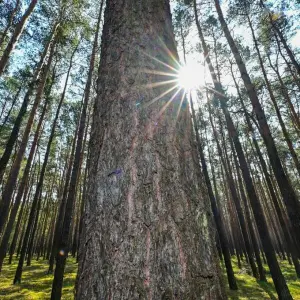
(150, 149)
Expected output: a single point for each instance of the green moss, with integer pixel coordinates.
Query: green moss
(36, 284)
(250, 288)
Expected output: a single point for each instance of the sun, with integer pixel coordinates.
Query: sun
(191, 76)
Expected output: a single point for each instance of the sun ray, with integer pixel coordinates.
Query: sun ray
(160, 83)
(161, 95)
(168, 102)
(178, 111)
(170, 53)
(159, 73)
(161, 62)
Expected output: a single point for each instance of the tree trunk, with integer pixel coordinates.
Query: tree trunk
(273, 99)
(15, 131)
(13, 174)
(62, 208)
(9, 23)
(63, 241)
(16, 35)
(11, 108)
(278, 32)
(215, 210)
(286, 189)
(273, 197)
(144, 205)
(22, 185)
(38, 191)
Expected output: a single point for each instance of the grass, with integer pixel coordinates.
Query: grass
(250, 288)
(36, 284)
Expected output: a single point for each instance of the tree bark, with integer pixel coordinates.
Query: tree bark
(147, 226)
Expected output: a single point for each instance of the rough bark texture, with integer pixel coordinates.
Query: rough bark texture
(147, 226)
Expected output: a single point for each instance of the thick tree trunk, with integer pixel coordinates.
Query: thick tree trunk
(147, 231)
(16, 35)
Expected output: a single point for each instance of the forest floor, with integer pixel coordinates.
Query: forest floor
(36, 284)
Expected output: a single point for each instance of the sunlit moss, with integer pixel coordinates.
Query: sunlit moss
(36, 284)
(250, 288)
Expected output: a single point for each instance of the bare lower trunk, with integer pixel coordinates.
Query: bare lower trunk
(147, 231)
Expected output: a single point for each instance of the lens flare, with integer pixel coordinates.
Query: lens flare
(191, 77)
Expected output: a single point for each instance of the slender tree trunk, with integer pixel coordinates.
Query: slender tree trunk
(10, 109)
(273, 99)
(63, 240)
(33, 231)
(35, 202)
(277, 276)
(261, 271)
(13, 175)
(295, 77)
(16, 35)
(9, 23)
(229, 178)
(286, 189)
(285, 94)
(22, 185)
(62, 207)
(215, 210)
(273, 196)
(144, 177)
(278, 32)
(15, 131)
